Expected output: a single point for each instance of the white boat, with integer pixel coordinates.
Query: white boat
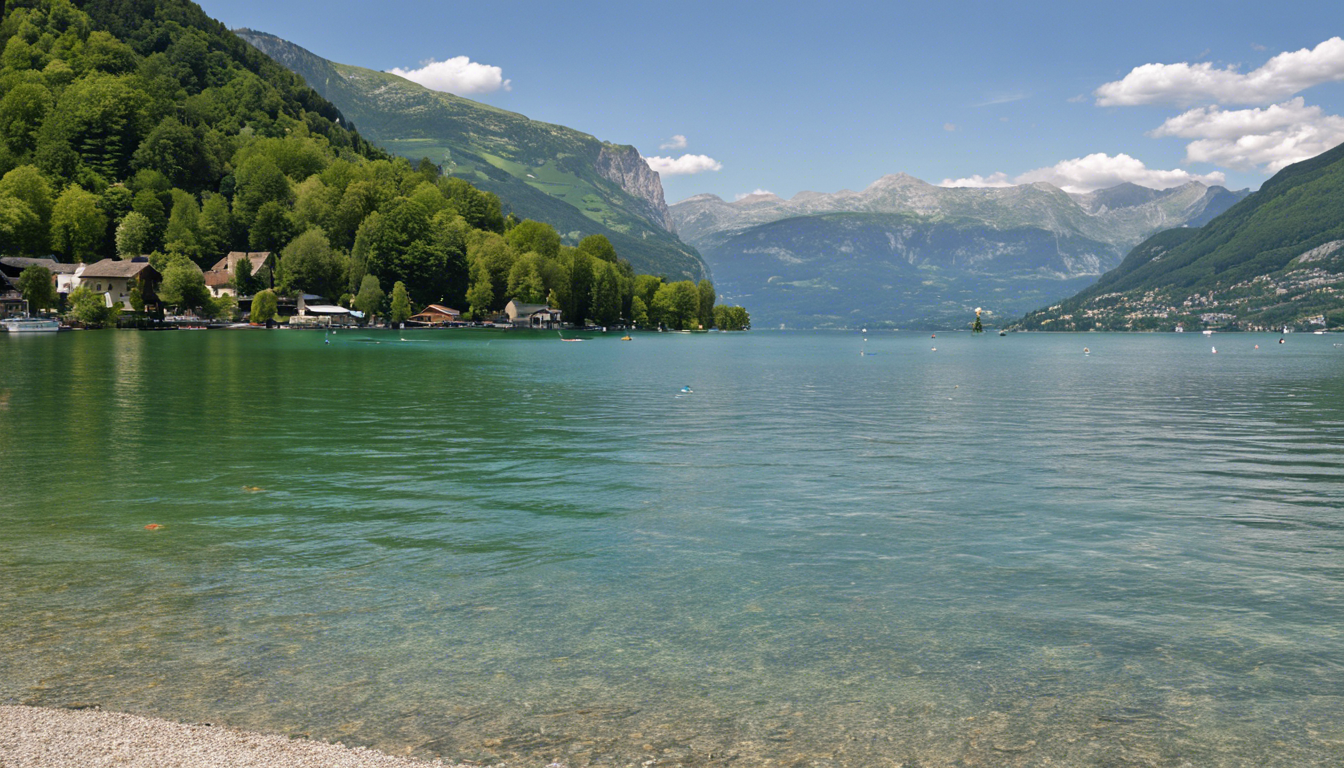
(31, 325)
(1208, 333)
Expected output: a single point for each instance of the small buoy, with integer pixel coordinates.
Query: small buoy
(1280, 341)
(935, 349)
(153, 527)
(934, 336)
(1257, 346)
(1215, 350)
(1086, 351)
(252, 488)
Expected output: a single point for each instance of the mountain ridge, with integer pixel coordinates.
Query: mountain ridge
(1275, 258)
(934, 253)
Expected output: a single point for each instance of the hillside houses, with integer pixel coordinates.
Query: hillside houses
(113, 278)
(116, 279)
(219, 278)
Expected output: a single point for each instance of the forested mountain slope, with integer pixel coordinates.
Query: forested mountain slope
(1275, 258)
(182, 142)
(547, 172)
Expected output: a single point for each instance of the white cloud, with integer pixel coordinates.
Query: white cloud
(684, 165)
(1095, 171)
(1185, 83)
(949, 127)
(676, 142)
(998, 179)
(758, 191)
(1271, 137)
(459, 75)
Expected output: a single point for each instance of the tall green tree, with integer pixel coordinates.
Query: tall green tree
(606, 303)
(401, 303)
(639, 313)
(23, 110)
(77, 225)
(37, 287)
(731, 318)
(216, 227)
(265, 305)
(272, 228)
(598, 247)
(183, 286)
(147, 203)
(19, 227)
(492, 252)
(133, 234)
(27, 185)
(525, 280)
(481, 295)
(180, 233)
(310, 265)
(534, 237)
(706, 295)
(579, 268)
(676, 305)
(369, 300)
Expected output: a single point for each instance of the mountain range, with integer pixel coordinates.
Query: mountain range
(1274, 259)
(905, 252)
(567, 178)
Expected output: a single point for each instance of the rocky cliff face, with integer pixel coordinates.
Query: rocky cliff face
(623, 166)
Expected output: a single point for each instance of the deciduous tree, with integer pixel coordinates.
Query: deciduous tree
(401, 303)
(77, 225)
(264, 306)
(37, 287)
(183, 286)
(133, 235)
(369, 300)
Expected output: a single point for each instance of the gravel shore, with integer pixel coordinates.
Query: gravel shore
(33, 737)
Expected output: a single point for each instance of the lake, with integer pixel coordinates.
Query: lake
(492, 546)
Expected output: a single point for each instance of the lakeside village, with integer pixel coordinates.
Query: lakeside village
(126, 293)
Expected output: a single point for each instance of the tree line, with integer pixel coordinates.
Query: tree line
(176, 145)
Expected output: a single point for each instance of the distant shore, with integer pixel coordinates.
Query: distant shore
(36, 737)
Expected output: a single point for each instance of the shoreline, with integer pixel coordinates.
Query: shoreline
(44, 737)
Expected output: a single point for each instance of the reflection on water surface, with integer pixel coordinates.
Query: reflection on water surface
(495, 547)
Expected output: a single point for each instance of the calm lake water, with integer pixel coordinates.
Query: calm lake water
(498, 547)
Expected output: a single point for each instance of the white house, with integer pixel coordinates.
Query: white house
(532, 315)
(114, 278)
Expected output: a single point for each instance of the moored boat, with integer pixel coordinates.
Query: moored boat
(31, 325)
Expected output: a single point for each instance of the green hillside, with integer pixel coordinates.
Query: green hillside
(541, 171)
(1275, 258)
(182, 143)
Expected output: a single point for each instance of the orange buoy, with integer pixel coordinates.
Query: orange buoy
(153, 527)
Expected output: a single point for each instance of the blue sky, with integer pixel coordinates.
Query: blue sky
(787, 97)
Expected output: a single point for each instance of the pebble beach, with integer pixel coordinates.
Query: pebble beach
(35, 737)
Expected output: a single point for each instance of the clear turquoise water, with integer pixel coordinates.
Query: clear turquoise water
(498, 547)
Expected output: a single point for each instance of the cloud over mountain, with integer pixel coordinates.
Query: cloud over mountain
(458, 75)
(1086, 174)
(684, 165)
(676, 142)
(1184, 83)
